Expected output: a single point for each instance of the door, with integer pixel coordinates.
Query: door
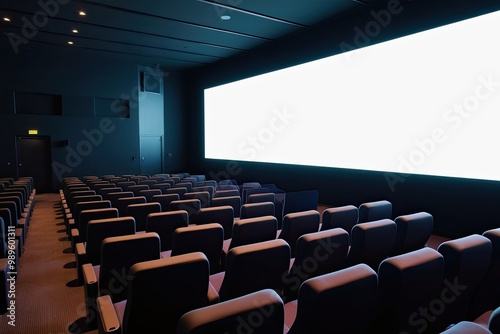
(151, 155)
(34, 156)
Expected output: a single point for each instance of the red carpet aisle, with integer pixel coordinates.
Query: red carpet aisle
(44, 304)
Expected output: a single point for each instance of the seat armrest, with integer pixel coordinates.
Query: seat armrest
(75, 238)
(91, 291)
(81, 259)
(89, 274)
(108, 321)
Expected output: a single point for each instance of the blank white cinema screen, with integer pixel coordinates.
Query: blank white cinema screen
(427, 103)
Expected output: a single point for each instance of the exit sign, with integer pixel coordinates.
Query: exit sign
(32, 132)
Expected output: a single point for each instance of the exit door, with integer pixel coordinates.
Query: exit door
(151, 155)
(34, 156)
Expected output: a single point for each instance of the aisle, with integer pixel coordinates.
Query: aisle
(44, 304)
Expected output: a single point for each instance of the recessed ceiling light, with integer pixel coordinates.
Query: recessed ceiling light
(70, 43)
(82, 13)
(225, 17)
(6, 19)
(75, 31)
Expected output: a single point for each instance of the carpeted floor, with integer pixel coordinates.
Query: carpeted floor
(44, 303)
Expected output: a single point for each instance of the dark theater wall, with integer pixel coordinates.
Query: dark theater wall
(459, 206)
(95, 127)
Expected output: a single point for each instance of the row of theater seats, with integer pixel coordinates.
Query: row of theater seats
(17, 199)
(422, 291)
(315, 241)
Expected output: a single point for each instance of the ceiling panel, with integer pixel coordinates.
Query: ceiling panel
(180, 34)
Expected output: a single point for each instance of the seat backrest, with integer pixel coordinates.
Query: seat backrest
(254, 267)
(118, 254)
(251, 210)
(203, 196)
(207, 238)
(165, 223)
(316, 254)
(252, 191)
(161, 291)
(100, 229)
(165, 200)
(297, 224)
(177, 190)
(149, 193)
(136, 188)
(487, 296)
(103, 192)
(345, 300)
(377, 210)
(148, 182)
(413, 232)
(237, 316)
(187, 185)
(162, 186)
(466, 262)
(12, 207)
(125, 184)
(192, 206)
(114, 196)
(3, 239)
(7, 218)
(83, 196)
(223, 215)
(233, 201)
(88, 215)
(226, 193)
(15, 199)
(259, 198)
(91, 205)
(372, 242)
(140, 213)
(408, 283)
(122, 203)
(467, 327)
(344, 217)
(209, 189)
(252, 230)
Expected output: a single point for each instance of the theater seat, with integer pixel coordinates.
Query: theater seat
(466, 261)
(487, 297)
(297, 224)
(205, 238)
(118, 254)
(371, 242)
(97, 231)
(467, 327)
(159, 293)
(316, 254)
(223, 215)
(260, 312)
(413, 232)
(252, 268)
(344, 217)
(376, 210)
(252, 210)
(165, 223)
(408, 283)
(344, 301)
(140, 213)
(252, 230)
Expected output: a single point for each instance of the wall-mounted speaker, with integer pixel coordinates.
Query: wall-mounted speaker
(151, 83)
